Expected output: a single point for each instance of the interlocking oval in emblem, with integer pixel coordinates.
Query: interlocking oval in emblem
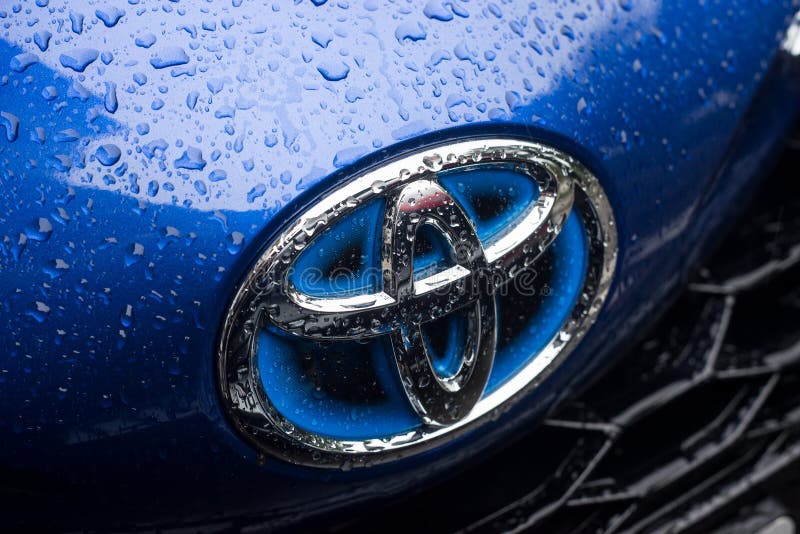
(446, 403)
(437, 399)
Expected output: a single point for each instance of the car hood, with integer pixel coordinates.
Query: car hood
(152, 149)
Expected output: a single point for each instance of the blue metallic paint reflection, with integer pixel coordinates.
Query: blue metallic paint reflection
(650, 98)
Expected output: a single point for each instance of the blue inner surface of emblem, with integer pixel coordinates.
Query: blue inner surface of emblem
(446, 351)
(492, 198)
(558, 285)
(340, 390)
(343, 260)
(432, 252)
(349, 390)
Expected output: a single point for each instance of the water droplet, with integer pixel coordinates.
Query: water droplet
(39, 312)
(437, 10)
(225, 112)
(321, 38)
(191, 159)
(40, 230)
(42, 39)
(169, 56)
(108, 154)
(11, 124)
(514, 100)
(235, 241)
(434, 162)
(78, 59)
(66, 136)
(333, 71)
(145, 40)
(270, 140)
(582, 106)
(110, 98)
(191, 99)
(54, 269)
(20, 62)
(217, 175)
(109, 15)
(410, 31)
(215, 85)
(256, 192)
(134, 254)
(77, 21)
(50, 93)
(126, 317)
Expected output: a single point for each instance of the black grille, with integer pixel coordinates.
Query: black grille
(701, 415)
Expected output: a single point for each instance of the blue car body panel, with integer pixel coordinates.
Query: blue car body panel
(148, 151)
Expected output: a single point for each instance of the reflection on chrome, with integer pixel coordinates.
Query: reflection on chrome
(445, 404)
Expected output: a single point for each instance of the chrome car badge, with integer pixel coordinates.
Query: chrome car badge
(502, 250)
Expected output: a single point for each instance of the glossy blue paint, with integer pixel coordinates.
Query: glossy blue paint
(149, 150)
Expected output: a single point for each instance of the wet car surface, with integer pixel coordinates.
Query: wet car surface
(150, 151)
